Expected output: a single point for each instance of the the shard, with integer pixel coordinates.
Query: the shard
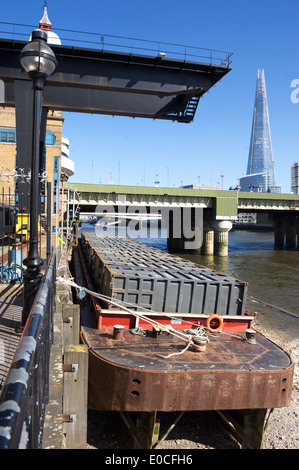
(260, 174)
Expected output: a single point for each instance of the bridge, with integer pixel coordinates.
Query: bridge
(146, 82)
(219, 209)
(150, 80)
(155, 81)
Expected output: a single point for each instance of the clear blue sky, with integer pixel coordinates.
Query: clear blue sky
(260, 33)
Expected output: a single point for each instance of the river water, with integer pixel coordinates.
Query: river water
(272, 275)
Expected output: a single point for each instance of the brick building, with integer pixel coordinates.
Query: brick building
(57, 163)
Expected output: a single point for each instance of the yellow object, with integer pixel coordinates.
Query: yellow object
(60, 240)
(23, 225)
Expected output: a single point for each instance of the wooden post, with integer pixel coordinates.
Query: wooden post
(253, 430)
(75, 375)
(71, 324)
(147, 429)
(247, 427)
(144, 429)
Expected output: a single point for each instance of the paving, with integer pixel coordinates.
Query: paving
(11, 305)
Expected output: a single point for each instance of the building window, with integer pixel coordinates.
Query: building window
(56, 164)
(50, 138)
(55, 183)
(8, 135)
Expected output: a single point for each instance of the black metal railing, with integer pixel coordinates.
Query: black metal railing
(15, 231)
(13, 245)
(26, 390)
(108, 42)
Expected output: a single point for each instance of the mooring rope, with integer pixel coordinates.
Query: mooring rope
(177, 353)
(200, 331)
(168, 329)
(274, 307)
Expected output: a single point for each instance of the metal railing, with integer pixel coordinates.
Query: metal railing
(13, 243)
(108, 42)
(26, 390)
(15, 231)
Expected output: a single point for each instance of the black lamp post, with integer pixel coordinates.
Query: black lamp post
(39, 61)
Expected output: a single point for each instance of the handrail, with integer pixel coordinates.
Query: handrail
(117, 43)
(26, 390)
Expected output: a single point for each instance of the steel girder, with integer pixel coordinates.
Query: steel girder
(93, 81)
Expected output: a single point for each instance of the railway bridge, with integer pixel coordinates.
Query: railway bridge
(212, 211)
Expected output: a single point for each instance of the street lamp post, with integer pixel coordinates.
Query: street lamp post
(39, 61)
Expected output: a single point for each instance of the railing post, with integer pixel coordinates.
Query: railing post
(75, 375)
(71, 324)
(75, 380)
(49, 220)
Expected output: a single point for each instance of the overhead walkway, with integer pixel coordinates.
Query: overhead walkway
(104, 74)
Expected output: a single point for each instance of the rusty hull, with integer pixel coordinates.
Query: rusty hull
(128, 375)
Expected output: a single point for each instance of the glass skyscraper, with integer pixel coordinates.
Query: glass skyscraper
(260, 175)
(295, 178)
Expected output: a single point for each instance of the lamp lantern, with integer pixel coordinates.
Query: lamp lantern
(39, 61)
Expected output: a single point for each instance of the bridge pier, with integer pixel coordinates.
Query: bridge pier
(291, 233)
(279, 233)
(207, 247)
(286, 232)
(184, 229)
(221, 229)
(210, 237)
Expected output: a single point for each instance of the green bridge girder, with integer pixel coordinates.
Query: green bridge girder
(222, 204)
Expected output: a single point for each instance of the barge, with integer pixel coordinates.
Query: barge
(143, 361)
(132, 272)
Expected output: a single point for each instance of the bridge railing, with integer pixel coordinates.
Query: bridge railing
(108, 42)
(26, 390)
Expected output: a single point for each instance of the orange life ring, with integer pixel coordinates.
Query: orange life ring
(212, 318)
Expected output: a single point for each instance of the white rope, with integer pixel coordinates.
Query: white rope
(168, 329)
(177, 353)
(199, 326)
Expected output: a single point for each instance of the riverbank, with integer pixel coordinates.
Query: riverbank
(281, 328)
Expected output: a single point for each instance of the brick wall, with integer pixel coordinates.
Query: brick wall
(7, 153)
(8, 150)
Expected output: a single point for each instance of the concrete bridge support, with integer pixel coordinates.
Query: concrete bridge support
(210, 237)
(279, 233)
(286, 232)
(221, 229)
(184, 229)
(207, 247)
(291, 233)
